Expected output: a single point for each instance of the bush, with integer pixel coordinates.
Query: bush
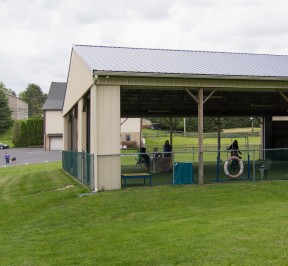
(130, 144)
(28, 132)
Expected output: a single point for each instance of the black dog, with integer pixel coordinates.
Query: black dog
(13, 159)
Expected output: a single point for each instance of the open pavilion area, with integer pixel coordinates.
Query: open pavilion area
(107, 83)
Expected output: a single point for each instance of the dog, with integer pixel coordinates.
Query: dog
(13, 160)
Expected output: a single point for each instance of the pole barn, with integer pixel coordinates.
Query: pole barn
(107, 83)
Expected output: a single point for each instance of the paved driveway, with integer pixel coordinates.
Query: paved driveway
(30, 156)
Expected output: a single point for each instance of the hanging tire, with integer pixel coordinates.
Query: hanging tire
(240, 164)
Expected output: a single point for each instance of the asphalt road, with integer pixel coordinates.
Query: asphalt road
(29, 156)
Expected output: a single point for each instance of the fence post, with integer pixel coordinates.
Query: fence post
(254, 165)
(248, 168)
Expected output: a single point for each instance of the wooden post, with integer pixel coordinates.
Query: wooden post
(200, 136)
(170, 122)
(219, 135)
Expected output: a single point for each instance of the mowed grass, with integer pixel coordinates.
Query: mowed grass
(158, 137)
(6, 137)
(46, 220)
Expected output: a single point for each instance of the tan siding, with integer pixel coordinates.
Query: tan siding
(107, 127)
(108, 119)
(79, 81)
(54, 122)
(82, 124)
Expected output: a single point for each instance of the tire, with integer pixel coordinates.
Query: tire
(241, 167)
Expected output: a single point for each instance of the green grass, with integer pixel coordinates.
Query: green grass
(7, 137)
(243, 135)
(45, 222)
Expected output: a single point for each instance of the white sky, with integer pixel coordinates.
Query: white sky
(37, 35)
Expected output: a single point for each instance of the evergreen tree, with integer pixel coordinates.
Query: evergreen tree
(16, 134)
(40, 133)
(24, 134)
(35, 98)
(5, 113)
(9, 91)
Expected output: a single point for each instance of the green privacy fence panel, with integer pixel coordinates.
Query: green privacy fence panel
(80, 165)
(183, 173)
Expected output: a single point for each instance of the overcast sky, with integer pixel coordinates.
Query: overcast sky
(37, 35)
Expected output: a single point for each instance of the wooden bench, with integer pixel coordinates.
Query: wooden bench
(137, 175)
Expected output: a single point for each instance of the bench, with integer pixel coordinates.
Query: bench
(137, 175)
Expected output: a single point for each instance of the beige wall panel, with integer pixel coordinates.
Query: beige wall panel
(54, 123)
(81, 127)
(108, 137)
(79, 80)
(108, 119)
(65, 133)
(46, 143)
(93, 133)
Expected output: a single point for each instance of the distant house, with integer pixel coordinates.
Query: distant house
(18, 107)
(131, 131)
(53, 118)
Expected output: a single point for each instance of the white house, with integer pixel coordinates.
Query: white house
(53, 117)
(131, 131)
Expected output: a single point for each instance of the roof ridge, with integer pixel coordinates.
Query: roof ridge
(175, 50)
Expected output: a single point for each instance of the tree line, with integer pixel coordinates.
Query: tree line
(210, 124)
(27, 132)
(32, 95)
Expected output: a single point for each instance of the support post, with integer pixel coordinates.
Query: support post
(200, 136)
(218, 147)
(93, 133)
(170, 122)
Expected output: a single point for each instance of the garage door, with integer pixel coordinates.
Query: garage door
(56, 143)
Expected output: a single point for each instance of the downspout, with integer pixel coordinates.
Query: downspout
(93, 128)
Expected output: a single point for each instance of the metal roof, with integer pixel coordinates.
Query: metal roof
(181, 62)
(56, 95)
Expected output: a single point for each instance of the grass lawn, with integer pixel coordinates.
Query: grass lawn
(243, 135)
(44, 221)
(7, 137)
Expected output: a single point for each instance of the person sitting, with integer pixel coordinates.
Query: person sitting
(144, 157)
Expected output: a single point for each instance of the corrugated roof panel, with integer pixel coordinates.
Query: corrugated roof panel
(139, 60)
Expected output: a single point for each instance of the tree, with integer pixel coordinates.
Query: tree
(28, 132)
(16, 134)
(9, 91)
(5, 113)
(35, 98)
